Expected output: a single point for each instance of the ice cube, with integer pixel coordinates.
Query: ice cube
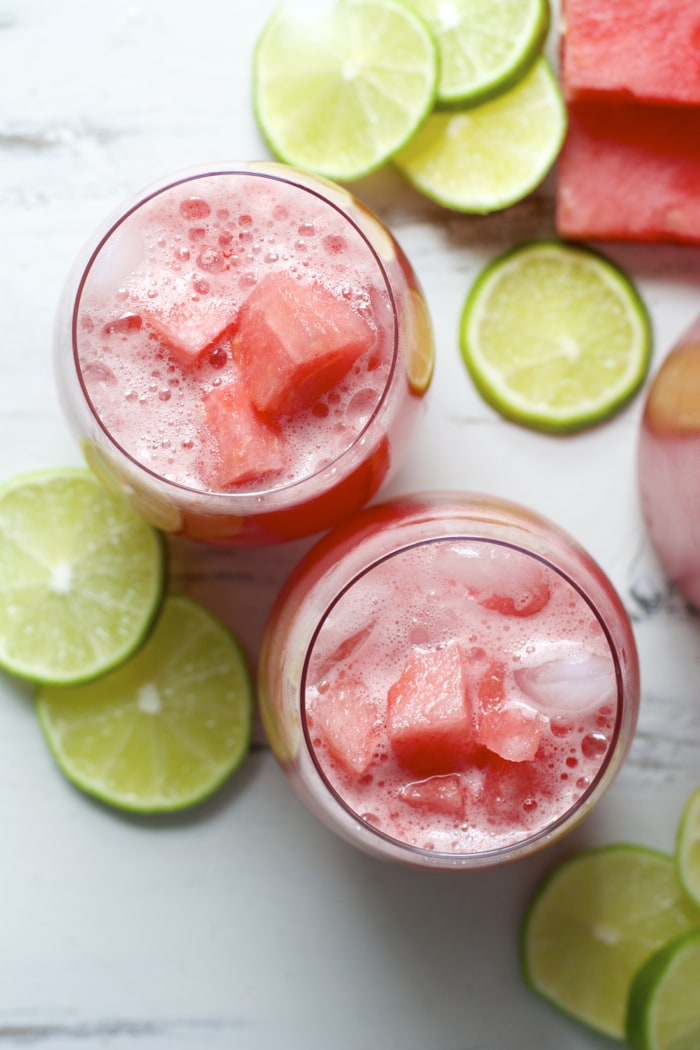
(569, 683)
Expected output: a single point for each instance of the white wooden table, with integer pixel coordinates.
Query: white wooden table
(244, 924)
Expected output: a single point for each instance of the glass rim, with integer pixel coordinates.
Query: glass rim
(528, 843)
(275, 172)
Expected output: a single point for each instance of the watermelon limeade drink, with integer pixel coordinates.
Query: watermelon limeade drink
(244, 351)
(669, 463)
(449, 681)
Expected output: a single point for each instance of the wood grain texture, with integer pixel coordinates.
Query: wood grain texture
(244, 924)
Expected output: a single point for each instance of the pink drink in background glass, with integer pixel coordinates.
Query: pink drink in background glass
(244, 351)
(669, 463)
(449, 681)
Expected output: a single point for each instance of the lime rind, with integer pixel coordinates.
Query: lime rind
(544, 390)
(663, 1009)
(491, 156)
(82, 576)
(339, 89)
(593, 922)
(163, 731)
(484, 48)
(688, 848)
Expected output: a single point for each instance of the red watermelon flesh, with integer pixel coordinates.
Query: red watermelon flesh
(443, 795)
(630, 171)
(350, 721)
(505, 727)
(631, 49)
(295, 340)
(429, 716)
(247, 447)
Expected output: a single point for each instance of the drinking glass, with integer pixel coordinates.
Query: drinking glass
(449, 680)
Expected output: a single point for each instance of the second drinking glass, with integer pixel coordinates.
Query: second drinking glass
(449, 681)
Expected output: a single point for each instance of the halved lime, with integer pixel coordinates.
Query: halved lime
(688, 850)
(484, 46)
(486, 158)
(340, 86)
(163, 730)
(555, 337)
(81, 577)
(664, 1003)
(593, 922)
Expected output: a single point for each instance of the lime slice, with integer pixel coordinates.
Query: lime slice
(487, 158)
(339, 87)
(81, 577)
(555, 336)
(593, 922)
(165, 729)
(664, 1005)
(484, 46)
(688, 850)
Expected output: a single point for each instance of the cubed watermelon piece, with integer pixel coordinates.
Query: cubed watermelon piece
(349, 720)
(630, 172)
(185, 322)
(295, 340)
(247, 447)
(444, 795)
(631, 49)
(429, 715)
(505, 727)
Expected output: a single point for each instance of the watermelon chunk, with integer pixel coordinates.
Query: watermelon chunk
(248, 447)
(294, 341)
(349, 720)
(505, 727)
(631, 172)
(631, 49)
(444, 795)
(429, 714)
(185, 321)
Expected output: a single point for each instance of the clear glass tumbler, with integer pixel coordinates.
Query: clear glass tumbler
(668, 458)
(244, 351)
(449, 681)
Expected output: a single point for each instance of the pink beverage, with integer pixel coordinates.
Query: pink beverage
(449, 681)
(669, 463)
(244, 351)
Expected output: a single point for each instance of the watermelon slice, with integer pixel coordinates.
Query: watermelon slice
(189, 313)
(429, 717)
(631, 49)
(247, 446)
(444, 795)
(631, 172)
(505, 727)
(294, 341)
(349, 720)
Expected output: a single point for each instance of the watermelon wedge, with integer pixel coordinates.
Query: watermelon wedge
(630, 171)
(623, 50)
(294, 341)
(247, 447)
(350, 720)
(429, 716)
(444, 795)
(505, 727)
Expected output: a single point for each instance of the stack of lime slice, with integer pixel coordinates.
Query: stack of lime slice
(456, 93)
(145, 700)
(612, 938)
